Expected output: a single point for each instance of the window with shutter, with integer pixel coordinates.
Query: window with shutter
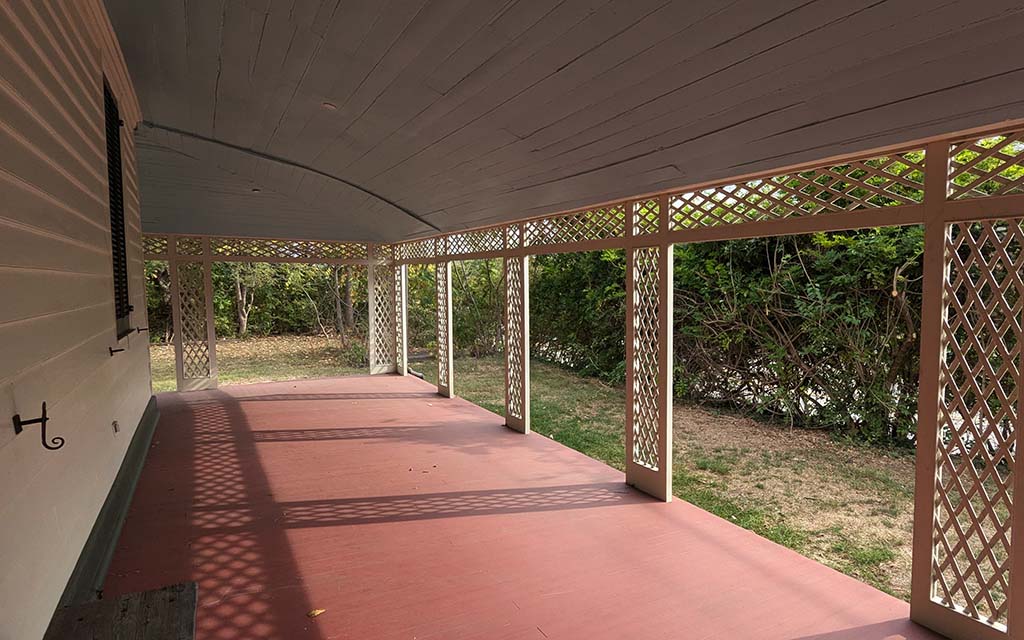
(122, 308)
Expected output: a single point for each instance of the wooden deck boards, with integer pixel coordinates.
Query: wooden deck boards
(407, 515)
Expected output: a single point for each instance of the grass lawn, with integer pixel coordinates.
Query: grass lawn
(847, 506)
(260, 360)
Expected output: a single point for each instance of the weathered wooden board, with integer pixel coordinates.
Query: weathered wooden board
(160, 614)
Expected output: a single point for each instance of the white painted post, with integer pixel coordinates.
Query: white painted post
(195, 358)
(445, 370)
(649, 293)
(380, 284)
(517, 343)
(401, 309)
(211, 326)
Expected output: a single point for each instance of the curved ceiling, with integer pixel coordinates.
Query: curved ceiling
(374, 120)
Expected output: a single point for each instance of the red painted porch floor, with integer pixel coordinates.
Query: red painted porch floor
(407, 515)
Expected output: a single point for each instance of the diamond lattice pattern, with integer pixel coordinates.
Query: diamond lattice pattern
(397, 305)
(514, 277)
(417, 250)
(646, 214)
(443, 331)
(645, 357)
(863, 184)
(189, 246)
(382, 350)
(154, 245)
(596, 224)
(978, 415)
(992, 166)
(195, 351)
(476, 241)
(287, 249)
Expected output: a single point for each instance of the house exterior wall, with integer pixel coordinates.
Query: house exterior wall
(57, 317)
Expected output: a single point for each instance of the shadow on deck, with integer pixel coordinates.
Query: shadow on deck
(404, 514)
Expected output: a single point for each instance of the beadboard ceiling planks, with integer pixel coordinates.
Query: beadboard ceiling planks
(463, 113)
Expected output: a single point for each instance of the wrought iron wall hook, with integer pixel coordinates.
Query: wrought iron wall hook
(52, 444)
(113, 351)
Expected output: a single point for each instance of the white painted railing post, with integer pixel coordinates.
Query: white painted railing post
(401, 308)
(195, 339)
(517, 343)
(382, 331)
(445, 370)
(649, 293)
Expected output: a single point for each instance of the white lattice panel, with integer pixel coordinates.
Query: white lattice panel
(514, 236)
(443, 289)
(187, 246)
(258, 249)
(978, 416)
(195, 351)
(382, 351)
(398, 313)
(482, 241)
(646, 412)
(862, 184)
(515, 319)
(992, 166)
(646, 216)
(154, 245)
(417, 250)
(595, 224)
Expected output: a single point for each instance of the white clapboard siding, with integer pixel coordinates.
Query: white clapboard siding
(57, 321)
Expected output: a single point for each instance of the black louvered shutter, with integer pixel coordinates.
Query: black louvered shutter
(122, 308)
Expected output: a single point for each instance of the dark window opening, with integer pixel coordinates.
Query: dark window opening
(122, 308)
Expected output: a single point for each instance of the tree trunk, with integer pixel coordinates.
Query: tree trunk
(346, 301)
(241, 306)
(339, 314)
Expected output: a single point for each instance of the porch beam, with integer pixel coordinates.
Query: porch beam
(517, 343)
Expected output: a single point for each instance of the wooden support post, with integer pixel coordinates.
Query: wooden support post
(517, 343)
(649, 292)
(401, 310)
(380, 285)
(965, 566)
(445, 370)
(195, 339)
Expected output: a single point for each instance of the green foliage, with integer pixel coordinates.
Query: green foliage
(820, 330)
(477, 303)
(578, 312)
(284, 299)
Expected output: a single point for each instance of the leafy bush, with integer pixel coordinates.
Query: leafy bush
(820, 330)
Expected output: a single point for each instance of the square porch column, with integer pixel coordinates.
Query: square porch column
(517, 343)
(649, 368)
(445, 370)
(386, 288)
(195, 339)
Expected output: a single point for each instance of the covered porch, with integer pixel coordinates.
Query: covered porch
(385, 135)
(406, 515)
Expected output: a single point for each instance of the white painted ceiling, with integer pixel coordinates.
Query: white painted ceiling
(376, 120)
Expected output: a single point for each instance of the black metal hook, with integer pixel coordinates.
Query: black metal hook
(113, 351)
(19, 425)
(141, 329)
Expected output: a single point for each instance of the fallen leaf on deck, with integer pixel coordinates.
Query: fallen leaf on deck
(315, 612)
